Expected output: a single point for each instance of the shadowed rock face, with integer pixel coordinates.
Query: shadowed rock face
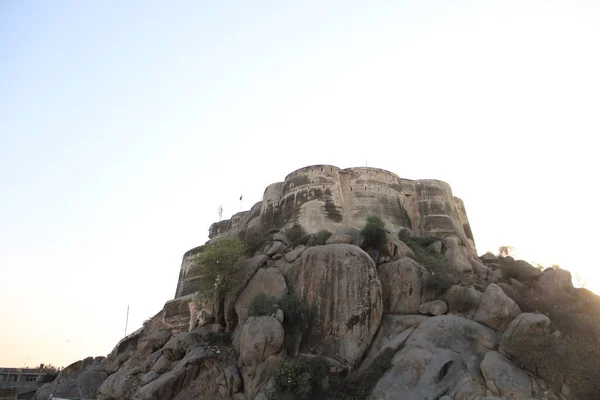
(340, 283)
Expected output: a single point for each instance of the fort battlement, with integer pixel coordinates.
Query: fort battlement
(327, 197)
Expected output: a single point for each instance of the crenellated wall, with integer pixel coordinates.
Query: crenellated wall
(327, 197)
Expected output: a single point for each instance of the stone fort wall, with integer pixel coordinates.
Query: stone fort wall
(327, 197)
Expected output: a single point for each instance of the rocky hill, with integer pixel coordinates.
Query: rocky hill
(353, 284)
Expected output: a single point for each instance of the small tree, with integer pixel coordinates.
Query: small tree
(217, 262)
(300, 377)
(374, 232)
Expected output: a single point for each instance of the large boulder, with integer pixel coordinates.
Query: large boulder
(401, 286)
(154, 341)
(341, 284)
(393, 331)
(275, 248)
(456, 254)
(489, 258)
(555, 283)
(266, 280)
(256, 377)
(90, 380)
(468, 388)
(434, 307)
(243, 275)
(260, 338)
(480, 268)
(81, 379)
(504, 378)
(525, 328)
(294, 254)
(461, 335)
(395, 248)
(346, 236)
(496, 310)
(464, 300)
(519, 269)
(177, 346)
(418, 374)
(120, 385)
(204, 369)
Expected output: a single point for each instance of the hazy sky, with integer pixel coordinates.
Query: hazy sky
(124, 125)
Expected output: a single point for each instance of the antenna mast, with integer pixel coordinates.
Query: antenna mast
(126, 320)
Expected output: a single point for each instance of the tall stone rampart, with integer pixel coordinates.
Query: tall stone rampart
(327, 197)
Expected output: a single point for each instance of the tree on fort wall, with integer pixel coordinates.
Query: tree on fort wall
(217, 263)
(374, 232)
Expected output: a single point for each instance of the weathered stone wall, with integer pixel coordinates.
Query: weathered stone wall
(189, 279)
(327, 197)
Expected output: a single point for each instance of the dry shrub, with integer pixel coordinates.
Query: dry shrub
(574, 360)
(583, 366)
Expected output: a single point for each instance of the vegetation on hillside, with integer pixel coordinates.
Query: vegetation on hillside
(300, 376)
(296, 315)
(442, 274)
(374, 232)
(574, 360)
(217, 263)
(303, 377)
(359, 387)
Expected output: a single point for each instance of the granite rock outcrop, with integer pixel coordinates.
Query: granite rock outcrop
(420, 317)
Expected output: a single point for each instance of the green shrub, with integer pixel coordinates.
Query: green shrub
(261, 305)
(217, 263)
(253, 242)
(296, 313)
(439, 282)
(300, 376)
(296, 317)
(442, 274)
(374, 232)
(319, 239)
(295, 233)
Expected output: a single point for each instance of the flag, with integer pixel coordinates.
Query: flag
(241, 198)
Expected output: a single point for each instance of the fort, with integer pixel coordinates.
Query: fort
(421, 319)
(321, 197)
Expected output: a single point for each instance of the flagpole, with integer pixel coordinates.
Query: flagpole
(126, 320)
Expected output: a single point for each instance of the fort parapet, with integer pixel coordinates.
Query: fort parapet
(327, 197)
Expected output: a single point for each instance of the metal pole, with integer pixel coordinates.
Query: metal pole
(126, 320)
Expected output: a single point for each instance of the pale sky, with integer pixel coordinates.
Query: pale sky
(124, 125)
